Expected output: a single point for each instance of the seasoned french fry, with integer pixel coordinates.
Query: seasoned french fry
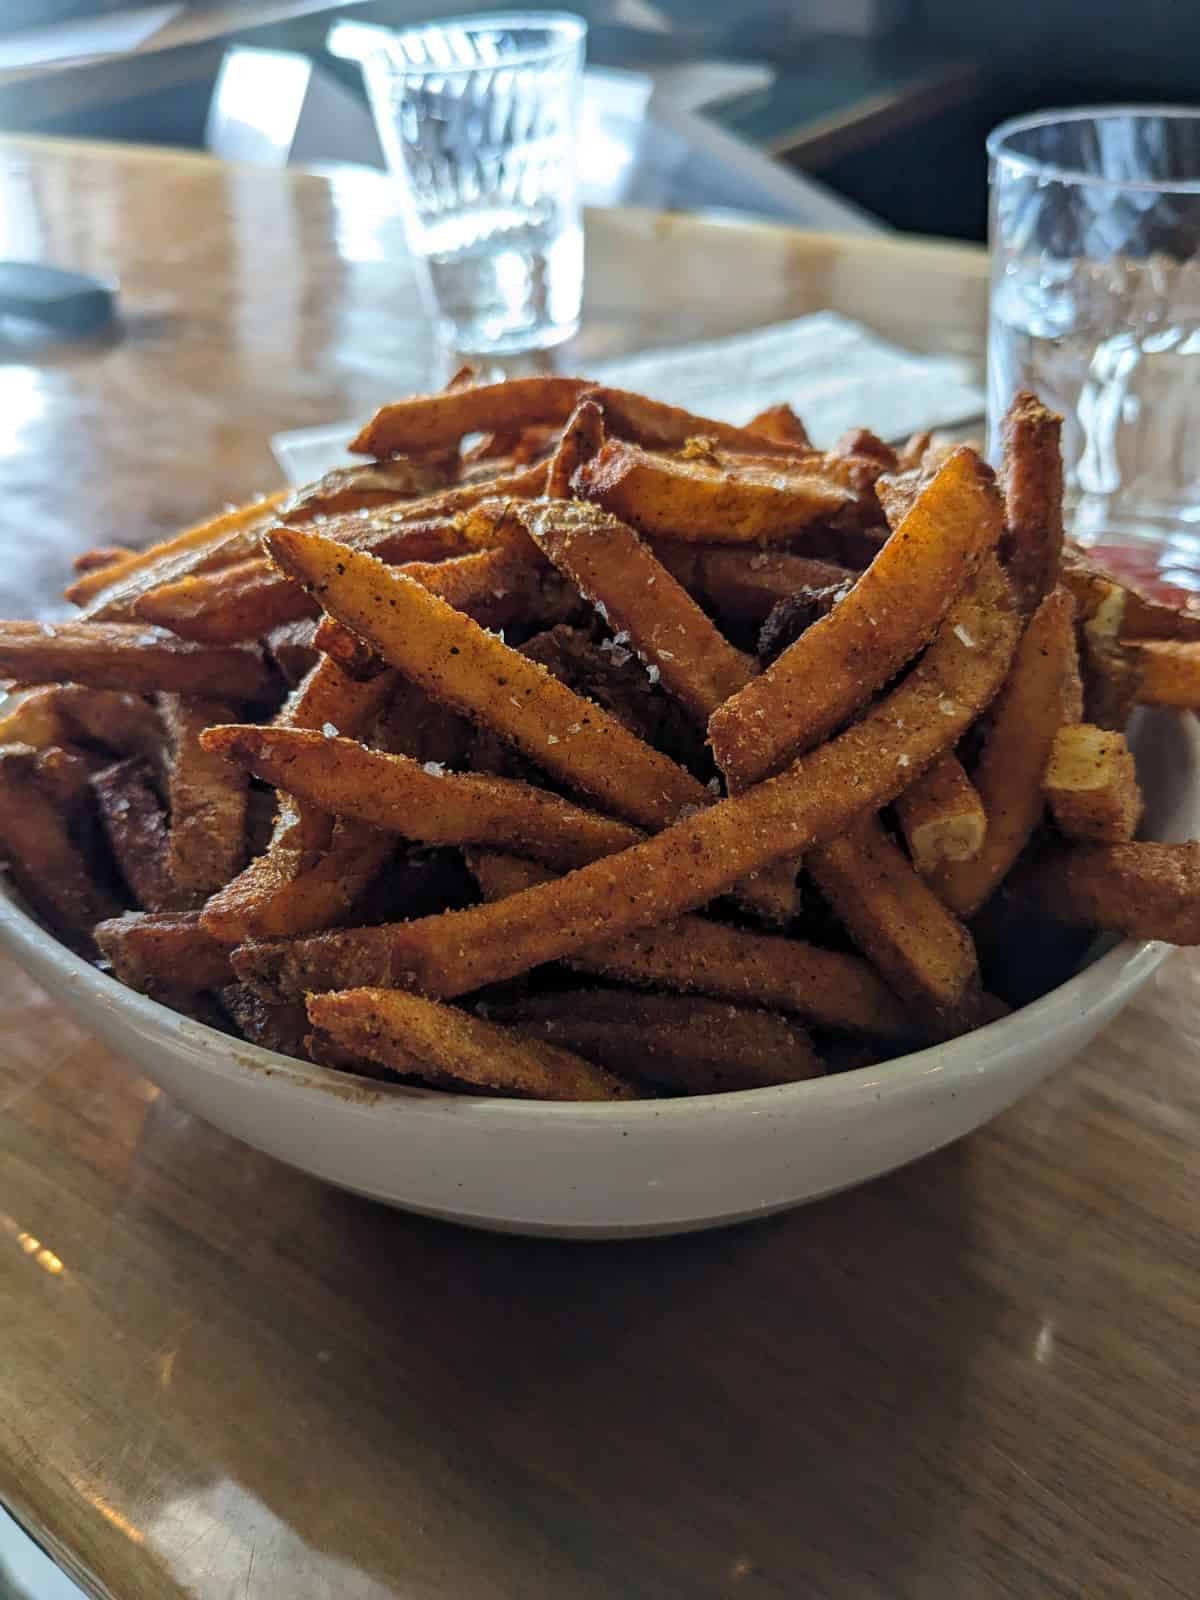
(164, 953)
(1028, 713)
(50, 869)
(400, 795)
(35, 717)
(498, 587)
(1092, 786)
(1146, 618)
(675, 1041)
(1143, 891)
(636, 594)
(431, 422)
(696, 955)
(108, 594)
(283, 1028)
(743, 585)
(781, 424)
(1033, 490)
(699, 498)
(381, 483)
(455, 660)
(1168, 672)
(1111, 678)
(699, 857)
(243, 601)
(834, 667)
(941, 816)
(207, 843)
(135, 826)
(124, 723)
(117, 655)
(896, 920)
(581, 439)
(103, 556)
(414, 1035)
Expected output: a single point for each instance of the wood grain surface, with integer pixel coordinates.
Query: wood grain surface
(218, 1378)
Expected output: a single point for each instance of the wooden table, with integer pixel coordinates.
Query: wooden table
(975, 1378)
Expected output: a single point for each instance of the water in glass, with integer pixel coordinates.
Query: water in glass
(478, 117)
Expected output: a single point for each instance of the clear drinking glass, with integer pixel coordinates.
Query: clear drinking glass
(477, 115)
(1095, 236)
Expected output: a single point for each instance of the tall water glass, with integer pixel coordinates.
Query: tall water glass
(477, 116)
(1095, 235)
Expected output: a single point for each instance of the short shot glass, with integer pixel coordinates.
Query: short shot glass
(477, 117)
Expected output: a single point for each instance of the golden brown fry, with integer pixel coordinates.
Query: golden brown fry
(1028, 713)
(64, 713)
(423, 803)
(676, 1041)
(49, 868)
(702, 498)
(135, 826)
(1033, 492)
(1144, 891)
(455, 660)
(636, 595)
(107, 595)
(941, 816)
(581, 439)
(1110, 676)
(35, 717)
(781, 425)
(1091, 785)
(698, 956)
(923, 951)
(103, 556)
(662, 427)
(381, 483)
(834, 666)
(243, 601)
(164, 953)
(1168, 672)
(499, 587)
(743, 585)
(118, 655)
(207, 796)
(418, 1036)
(699, 857)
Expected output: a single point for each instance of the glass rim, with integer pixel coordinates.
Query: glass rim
(998, 150)
(569, 27)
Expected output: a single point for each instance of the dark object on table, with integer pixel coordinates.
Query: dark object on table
(64, 302)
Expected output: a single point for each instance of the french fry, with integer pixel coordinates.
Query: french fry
(1143, 891)
(35, 717)
(781, 424)
(413, 1035)
(103, 556)
(283, 1028)
(1091, 785)
(207, 840)
(1146, 618)
(699, 956)
(498, 587)
(636, 594)
(164, 953)
(381, 483)
(292, 647)
(1033, 492)
(108, 595)
(455, 660)
(49, 867)
(941, 816)
(923, 951)
(1168, 672)
(699, 857)
(580, 440)
(1111, 678)
(675, 1041)
(135, 827)
(1009, 775)
(833, 668)
(400, 795)
(431, 422)
(124, 723)
(700, 498)
(64, 775)
(117, 655)
(243, 601)
(742, 585)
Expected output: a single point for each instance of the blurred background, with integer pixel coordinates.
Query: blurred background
(763, 107)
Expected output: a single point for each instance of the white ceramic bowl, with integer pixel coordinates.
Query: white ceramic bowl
(612, 1171)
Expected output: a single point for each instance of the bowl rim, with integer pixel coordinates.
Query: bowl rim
(1128, 963)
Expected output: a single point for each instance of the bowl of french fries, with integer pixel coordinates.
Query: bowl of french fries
(589, 818)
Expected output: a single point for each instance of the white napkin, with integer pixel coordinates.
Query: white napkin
(834, 373)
